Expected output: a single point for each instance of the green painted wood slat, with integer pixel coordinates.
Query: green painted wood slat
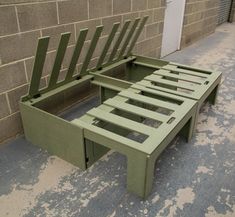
(150, 86)
(119, 40)
(168, 74)
(124, 143)
(64, 40)
(77, 51)
(128, 38)
(159, 80)
(107, 45)
(40, 58)
(137, 34)
(174, 68)
(148, 100)
(178, 99)
(121, 121)
(136, 110)
(91, 49)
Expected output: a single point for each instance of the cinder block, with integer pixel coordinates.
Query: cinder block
(68, 56)
(35, 16)
(19, 46)
(90, 24)
(108, 23)
(154, 4)
(163, 3)
(15, 95)
(152, 30)
(55, 34)
(4, 109)
(99, 8)
(150, 14)
(151, 53)
(146, 46)
(121, 6)
(11, 76)
(49, 62)
(142, 35)
(82, 56)
(100, 46)
(72, 11)
(8, 23)
(188, 8)
(10, 126)
(139, 5)
(131, 16)
(158, 14)
(211, 12)
(161, 26)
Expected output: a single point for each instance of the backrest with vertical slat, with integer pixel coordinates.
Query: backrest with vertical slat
(113, 51)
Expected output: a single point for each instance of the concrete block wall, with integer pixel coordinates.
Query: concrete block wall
(23, 21)
(200, 20)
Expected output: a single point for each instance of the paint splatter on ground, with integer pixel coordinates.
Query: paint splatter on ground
(191, 179)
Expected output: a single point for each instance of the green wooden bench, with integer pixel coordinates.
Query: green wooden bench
(135, 117)
(120, 124)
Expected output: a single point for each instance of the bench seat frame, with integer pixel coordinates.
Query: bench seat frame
(141, 157)
(144, 70)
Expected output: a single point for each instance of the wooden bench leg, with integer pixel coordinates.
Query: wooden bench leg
(140, 172)
(190, 127)
(212, 97)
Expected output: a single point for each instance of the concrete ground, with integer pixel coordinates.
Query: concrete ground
(192, 179)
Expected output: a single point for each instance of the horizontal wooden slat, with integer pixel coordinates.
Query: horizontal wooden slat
(148, 84)
(148, 65)
(165, 95)
(110, 82)
(185, 71)
(159, 80)
(149, 100)
(192, 68)
(96, 133)
(136, 110)
(120, 121)
(188, 78)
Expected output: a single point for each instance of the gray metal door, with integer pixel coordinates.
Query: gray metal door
(224, 10)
